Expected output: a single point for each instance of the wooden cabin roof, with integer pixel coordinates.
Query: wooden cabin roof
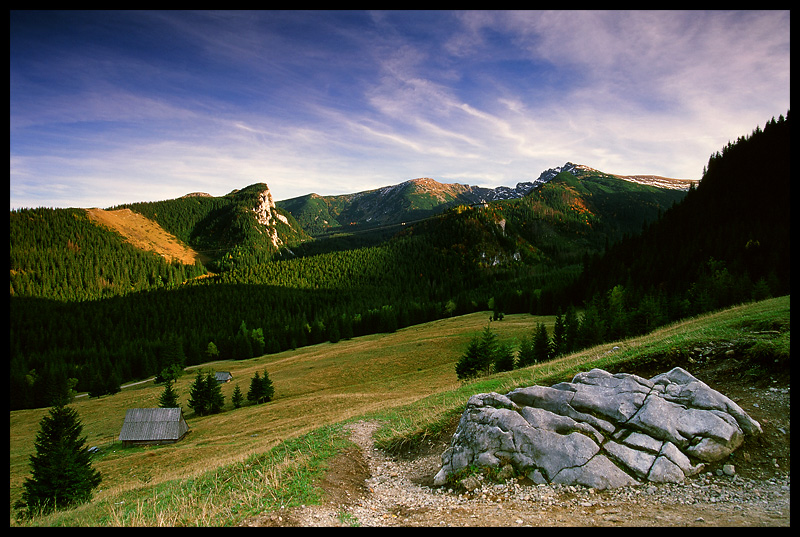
(153, 424)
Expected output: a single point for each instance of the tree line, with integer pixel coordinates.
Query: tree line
(726, 242)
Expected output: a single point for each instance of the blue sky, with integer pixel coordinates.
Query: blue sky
(115, 107)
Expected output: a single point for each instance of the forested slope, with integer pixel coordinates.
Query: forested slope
(86, 305)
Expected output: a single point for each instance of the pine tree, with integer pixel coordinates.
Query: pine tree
(504, 361)
(489, 349)
(541, 344)
(255, 388)
(62, 474)
(237, 398)
(215, 398)
(571, 327)
(199, 400)
(468, 365)
(267, 389)
(559, 336)
(525, 356)
(479, 357)
(169, 397)
(261, 389)
(592, 328)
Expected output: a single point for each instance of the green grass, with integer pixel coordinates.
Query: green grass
(257, 459)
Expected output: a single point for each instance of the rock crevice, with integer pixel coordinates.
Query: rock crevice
(600, 430)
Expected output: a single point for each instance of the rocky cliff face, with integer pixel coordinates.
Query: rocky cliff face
(267, 215)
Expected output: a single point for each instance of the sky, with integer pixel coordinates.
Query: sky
(113, 107)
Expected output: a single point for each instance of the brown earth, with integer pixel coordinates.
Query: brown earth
(368, 487)
(145, 234)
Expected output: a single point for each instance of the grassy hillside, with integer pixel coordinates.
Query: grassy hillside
(257, 458)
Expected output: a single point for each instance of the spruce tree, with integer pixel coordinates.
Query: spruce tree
(504, 360)
(61, 470)
(267, 389)
(205, 395)
(541, 344)
(255, 388)
(489, 349)
(468, 365)
(215, 398)
(199, 400)
(571, 327)
(479, 357)
(526, 356)
(169, 397)
(237, 398)
(261, 389)
(559, 336)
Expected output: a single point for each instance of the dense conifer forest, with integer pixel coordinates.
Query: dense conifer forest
(87, 306)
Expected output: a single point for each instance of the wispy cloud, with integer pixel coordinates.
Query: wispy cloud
(111, 107)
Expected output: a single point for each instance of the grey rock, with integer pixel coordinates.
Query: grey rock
(601, 430)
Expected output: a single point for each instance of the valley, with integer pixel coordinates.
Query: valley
(257, 463)
(360, 317)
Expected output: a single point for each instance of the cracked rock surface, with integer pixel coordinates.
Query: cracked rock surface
(601, 430)
(365, 486)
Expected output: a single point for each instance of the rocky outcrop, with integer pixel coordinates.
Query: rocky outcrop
(601, 430)
(267, 215)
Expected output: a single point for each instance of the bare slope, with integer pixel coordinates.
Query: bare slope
(146, 234)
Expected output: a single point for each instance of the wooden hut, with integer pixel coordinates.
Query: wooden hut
(153, 426)
(223, 377)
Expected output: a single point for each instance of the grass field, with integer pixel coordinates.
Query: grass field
(257, 458)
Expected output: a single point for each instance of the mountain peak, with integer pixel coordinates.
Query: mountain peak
(649, 180)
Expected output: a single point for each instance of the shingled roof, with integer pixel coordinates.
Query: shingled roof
(153, 426)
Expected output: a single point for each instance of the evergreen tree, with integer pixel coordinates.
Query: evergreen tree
(169, 397)
(592, 328)
(541, 344)
(198, 395)
(504, 361)
(479, 357)
(267, 389)
(215, 397)
(526, 356)
(559, 336)
(61, 470)
(469, 365)
(571, 327)
(237, 398)
(255, 388)
(261, 389)
(489, 349)
(205, 395)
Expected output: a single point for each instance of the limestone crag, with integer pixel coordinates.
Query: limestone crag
(601, 430)
(267, 215)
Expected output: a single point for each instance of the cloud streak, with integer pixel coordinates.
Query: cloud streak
(113, 107)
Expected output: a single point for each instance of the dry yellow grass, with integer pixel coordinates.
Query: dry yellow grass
(224, 470)
(146, 234)
(314, 386)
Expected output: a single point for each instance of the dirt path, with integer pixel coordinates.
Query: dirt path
(367, 487)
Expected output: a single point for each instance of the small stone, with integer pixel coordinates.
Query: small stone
(470, 483)
(729, 470)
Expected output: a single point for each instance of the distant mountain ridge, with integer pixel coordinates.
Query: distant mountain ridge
(423, 197)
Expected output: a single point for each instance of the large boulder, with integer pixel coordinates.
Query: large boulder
(601, 430)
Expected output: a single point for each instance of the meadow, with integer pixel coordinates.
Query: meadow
(246, 461)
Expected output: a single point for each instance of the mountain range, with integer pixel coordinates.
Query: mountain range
(567, 211)
(420, 198)
(88, 303)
